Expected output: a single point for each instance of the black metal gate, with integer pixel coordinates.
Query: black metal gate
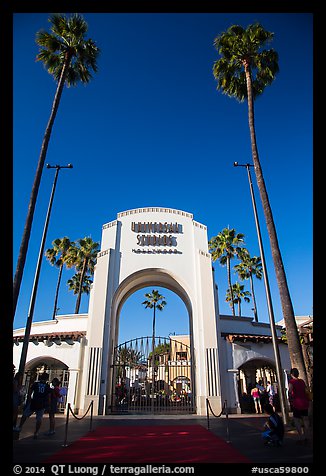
(153, 375)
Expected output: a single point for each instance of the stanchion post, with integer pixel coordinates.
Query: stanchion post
(66, 429)
(227, 422)
(91, 423)
(207, 413)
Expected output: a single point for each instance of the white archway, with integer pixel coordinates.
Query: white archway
(157, 247)
(136, 281)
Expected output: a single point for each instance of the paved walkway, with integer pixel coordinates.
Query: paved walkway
(242, 431)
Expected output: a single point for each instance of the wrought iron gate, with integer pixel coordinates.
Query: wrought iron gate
(153, 376)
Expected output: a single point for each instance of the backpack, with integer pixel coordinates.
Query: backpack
(277, 426)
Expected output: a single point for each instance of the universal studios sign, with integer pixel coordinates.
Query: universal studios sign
(156, 234)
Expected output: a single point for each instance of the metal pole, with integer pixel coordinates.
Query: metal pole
(269, 301)
(38, 270)
(65, 444)
(91, 422)
(227, 422)
(207, 413)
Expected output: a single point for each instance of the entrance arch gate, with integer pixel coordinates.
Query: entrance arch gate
(146, 384)
(152, 247)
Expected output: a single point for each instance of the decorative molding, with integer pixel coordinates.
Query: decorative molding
(155, 210)
(203, 253)
(212, 371)
(199, 225)
(102, 253)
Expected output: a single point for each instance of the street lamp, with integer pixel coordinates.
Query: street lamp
(269, 300)
(38, 269)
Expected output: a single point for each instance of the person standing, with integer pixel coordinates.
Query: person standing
(256, 397)
(271, 392)
(38, 400)
(53, 408)
(299, 402)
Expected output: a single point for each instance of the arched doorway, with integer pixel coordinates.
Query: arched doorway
(167, 363)
(54, 368)
(250, 373)
(141, 382)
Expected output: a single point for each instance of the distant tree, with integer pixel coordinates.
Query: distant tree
(243, 71)
(246, 269)
(57, 257)
(237, 295)
(154, 301)
(225, 246)
(69, 58)
(83, 255)
(74, 285)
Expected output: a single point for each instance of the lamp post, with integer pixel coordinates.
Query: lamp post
(38, 269)
(269, 300)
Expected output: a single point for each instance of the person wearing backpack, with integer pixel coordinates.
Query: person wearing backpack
(38, 400)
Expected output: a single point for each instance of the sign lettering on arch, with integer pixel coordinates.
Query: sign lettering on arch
(156, 234)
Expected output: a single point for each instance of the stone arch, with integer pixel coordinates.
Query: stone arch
(149, 277)
(139, 280)
(256, 369)
(48, 360)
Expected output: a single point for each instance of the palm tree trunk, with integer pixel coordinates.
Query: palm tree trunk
(36, 185)
(295, 349)
(153, 360)
(230, 284)
(80, 287)
(57, 293)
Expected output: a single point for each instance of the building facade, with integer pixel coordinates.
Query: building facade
(218, 360)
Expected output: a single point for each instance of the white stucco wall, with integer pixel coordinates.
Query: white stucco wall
(69, 355)
(234, 355)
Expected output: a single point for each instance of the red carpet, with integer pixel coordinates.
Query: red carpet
(149, 444)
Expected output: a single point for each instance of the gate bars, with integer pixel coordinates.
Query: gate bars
(147, 383)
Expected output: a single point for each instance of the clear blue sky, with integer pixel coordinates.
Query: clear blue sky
(152, 130)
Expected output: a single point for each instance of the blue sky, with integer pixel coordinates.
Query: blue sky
(152, 130)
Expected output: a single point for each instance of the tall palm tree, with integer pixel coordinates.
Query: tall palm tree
(246, 269)
(243, 71)
(154, 301)
(57, 257)
(69, 58)
(82, 255)
(225, 246)
(238, 293)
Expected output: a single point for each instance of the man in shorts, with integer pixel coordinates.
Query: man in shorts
(37, 401)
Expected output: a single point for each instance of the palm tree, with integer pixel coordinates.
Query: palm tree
(82, 255)
(243, 72)
(154, 301)
(61, 247)
(225, 246)
(74, 285)
(248, 267)
(69, 58)
(238, 293)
